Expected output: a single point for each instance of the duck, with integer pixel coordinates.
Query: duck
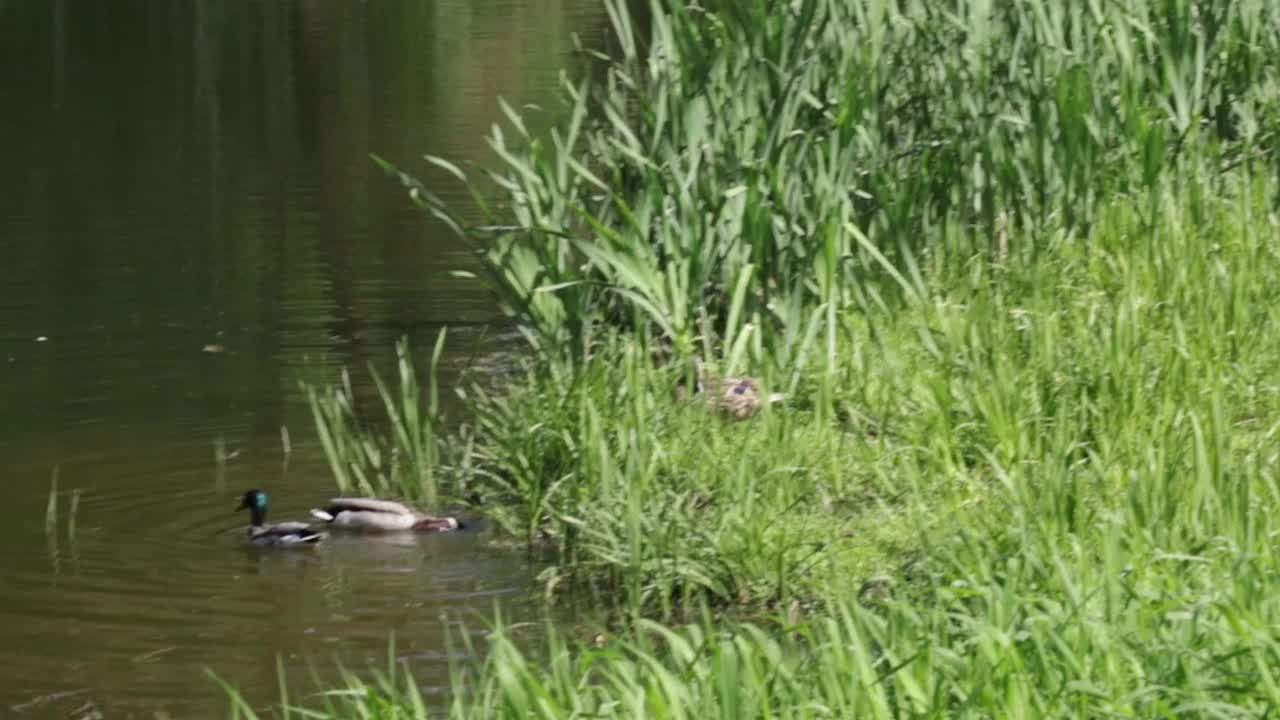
(736, 396)
(380, 515)
(277, 534)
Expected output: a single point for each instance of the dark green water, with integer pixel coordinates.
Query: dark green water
(184, 174)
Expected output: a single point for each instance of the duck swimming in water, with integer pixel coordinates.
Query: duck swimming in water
(380, 515)
(278, 534)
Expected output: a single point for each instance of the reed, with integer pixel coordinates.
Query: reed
(220, 457)
(73, 511)
(756, 171)
(51, 507)
(1014, 265)
(397, 452)
(823, 196)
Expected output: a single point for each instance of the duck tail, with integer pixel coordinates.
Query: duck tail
(321, 515)
(437, 524)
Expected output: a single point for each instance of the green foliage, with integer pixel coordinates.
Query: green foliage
(866, 204)
(739, 169)
(400, 453)
(649, 503)
(1015, 266)
(1082, 454)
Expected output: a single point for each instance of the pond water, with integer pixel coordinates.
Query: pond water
(190, 228)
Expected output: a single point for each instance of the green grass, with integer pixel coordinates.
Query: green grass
(398, 452)
(1015, 266)
(1070, 483)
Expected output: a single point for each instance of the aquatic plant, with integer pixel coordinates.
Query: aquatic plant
(865, 204)
(1039, 651)
(72, 511)
(742, 174)
(51, 507)
(1014, 266)
(397, 452)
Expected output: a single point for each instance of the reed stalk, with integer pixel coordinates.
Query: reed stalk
(1014, 266)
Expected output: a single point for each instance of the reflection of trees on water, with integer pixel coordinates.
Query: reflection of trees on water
(183, 175)
(196, 173)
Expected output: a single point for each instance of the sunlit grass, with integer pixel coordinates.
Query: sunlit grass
(51, 507)
(395, 451)
(1015, 266)
(1068, 486)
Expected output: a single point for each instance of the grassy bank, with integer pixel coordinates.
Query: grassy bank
(1014, 266)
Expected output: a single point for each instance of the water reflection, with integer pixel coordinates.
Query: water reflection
(186, 175)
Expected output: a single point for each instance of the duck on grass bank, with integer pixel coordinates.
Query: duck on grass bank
(380, 515)
(278, 534)
(737, 397)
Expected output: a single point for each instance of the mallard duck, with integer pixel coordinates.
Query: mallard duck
(285, 533)
(738, 397)
(384, 515)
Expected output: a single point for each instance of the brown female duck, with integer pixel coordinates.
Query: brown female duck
(738, 397)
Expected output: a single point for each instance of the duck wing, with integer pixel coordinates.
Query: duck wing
(289, 528)
(339, 504)
(285, 533)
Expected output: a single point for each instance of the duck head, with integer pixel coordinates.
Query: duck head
(255, 501)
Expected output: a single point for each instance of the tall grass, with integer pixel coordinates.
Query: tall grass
(1015, 265)
(742, 167)
(394, 452)
(1077, 467)
(824, 192)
